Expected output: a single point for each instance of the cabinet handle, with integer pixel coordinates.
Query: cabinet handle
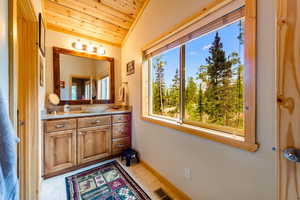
(95, 122)
(60, 125)
(120, 145)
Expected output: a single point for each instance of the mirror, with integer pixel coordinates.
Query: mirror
(81, 78)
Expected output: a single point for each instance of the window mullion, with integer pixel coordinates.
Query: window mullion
(182, 83)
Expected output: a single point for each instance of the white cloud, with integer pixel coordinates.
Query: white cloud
(206, 47)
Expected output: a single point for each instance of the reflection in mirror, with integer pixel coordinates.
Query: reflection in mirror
(81, 88)
(84, 78)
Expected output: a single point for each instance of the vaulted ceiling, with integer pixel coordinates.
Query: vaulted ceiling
(101, 20)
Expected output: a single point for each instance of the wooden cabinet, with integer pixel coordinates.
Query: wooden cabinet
(120, 144)
(121, 134)
(59, 151)
(76, 142)
(94, 143)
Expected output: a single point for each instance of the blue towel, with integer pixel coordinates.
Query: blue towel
(9, 187)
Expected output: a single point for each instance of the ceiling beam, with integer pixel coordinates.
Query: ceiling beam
(81, 35)
(57, 18)
(62, 10)
(79, 29)
(99, 12)
(130, 7)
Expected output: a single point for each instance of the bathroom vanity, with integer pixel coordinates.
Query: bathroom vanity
(72, 141)
(89, 134)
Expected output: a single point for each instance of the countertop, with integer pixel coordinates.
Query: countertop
(74, 114)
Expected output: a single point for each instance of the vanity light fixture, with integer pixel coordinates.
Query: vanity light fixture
(78, 45)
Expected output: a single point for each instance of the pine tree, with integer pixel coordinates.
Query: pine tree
(240, 36)
(201, 103)
(174, 94)
(238, 89)
(191, 99)
(239, 94)
(158, 86)
(191, 91)
(219, 91)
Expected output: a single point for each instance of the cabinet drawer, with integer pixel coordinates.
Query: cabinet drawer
(121, 130)
(118, 145)
(120, 118)
(60, 125)
(94, 121)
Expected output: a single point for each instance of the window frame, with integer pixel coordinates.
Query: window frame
(247, 142)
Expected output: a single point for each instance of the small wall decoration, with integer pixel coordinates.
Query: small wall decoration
(130, 68)
(42, 69)
(41, 35)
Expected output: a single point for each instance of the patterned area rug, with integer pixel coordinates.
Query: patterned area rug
(106, 182)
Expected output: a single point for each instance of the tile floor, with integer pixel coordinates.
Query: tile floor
(55, 189)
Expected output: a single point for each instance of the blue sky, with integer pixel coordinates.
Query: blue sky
(197, 51)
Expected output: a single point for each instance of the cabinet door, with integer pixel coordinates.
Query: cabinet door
(94, 143)
(60, 150)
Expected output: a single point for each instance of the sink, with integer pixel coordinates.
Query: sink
(94, 109)
(71, 112)
(85, 109)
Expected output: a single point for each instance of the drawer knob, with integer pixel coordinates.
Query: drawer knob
(60, 126)
(96, 122)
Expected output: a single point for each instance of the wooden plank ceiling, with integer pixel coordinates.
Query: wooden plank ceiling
(105, 21)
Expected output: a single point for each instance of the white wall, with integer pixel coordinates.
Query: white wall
(4, 46)
(56, 39)
(218, 171)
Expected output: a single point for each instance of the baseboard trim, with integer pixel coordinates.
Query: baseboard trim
(166, 182)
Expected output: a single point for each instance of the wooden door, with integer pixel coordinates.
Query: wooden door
(94, 143)
(288, 96)
(60, 151)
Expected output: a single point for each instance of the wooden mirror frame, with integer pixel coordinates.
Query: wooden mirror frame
(56, 75)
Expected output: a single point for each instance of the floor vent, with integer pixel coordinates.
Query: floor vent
(162, 194)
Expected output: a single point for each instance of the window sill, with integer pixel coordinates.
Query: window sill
(217, 136)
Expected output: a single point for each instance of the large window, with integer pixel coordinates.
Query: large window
(203, 82)
(214, 79)
(213, 93)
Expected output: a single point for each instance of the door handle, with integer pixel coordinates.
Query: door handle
(292, 154)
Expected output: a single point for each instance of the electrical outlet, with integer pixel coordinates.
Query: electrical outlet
(187, 173)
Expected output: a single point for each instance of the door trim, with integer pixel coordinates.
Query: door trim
(29, 147)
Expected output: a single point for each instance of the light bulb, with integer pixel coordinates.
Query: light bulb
(77, 45)
(90, 48)
(101, 50)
